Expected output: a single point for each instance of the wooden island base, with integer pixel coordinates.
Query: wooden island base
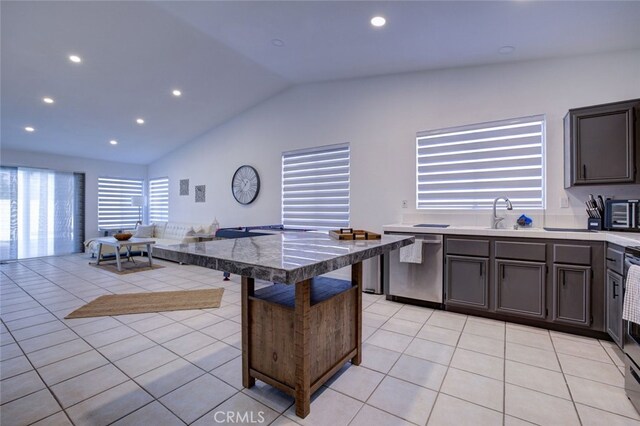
(296, 337)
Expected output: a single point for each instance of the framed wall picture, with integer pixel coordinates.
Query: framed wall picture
(184, 186)
(201, 191)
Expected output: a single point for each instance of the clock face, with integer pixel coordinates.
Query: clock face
(245, 184)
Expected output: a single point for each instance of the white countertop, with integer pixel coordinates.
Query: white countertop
(621, 238)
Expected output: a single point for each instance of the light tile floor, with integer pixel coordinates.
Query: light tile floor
(419, 366)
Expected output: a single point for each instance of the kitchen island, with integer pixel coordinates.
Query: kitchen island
(299, 331)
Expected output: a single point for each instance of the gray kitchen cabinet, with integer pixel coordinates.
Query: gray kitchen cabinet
(520, 288)
(601, 144)
(613, 293)
(571, 295)
(557, 284)
(614, 321)
(615, 259)
(467, 282)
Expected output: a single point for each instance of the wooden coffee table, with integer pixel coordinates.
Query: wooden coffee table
(117, 245)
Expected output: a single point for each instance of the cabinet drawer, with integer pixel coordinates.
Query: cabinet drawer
(615, 259)
(467, 247)
(572, 254)
(521, 251)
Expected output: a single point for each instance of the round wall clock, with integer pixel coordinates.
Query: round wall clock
(245, 184)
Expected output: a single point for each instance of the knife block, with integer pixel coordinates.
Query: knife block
(594, 223)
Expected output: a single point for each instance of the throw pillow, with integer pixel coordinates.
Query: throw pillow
(144, 231)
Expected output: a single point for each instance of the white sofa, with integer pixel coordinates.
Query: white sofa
(165, 233)
(168, 233)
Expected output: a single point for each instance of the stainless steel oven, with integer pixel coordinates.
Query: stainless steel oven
(632, 340)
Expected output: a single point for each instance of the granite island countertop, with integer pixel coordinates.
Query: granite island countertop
(288, 257)
(624, 239)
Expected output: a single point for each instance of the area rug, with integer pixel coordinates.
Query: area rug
(159, 301)
(127, 267)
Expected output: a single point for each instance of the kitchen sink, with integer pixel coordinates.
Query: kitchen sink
(430, 225)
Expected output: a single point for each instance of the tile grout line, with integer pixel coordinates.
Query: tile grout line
(504, 379)
(504, 368)
(34, 369)
(609, 355)
(564, 377)
(133, 379)
(204, 372)
(143, 406)
(109, 362)
(391, 368)
(446, 373)
(385, 374)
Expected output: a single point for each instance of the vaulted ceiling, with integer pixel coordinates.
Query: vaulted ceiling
(227, 56)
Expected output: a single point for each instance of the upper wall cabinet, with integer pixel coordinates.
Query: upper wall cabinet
(601, 144)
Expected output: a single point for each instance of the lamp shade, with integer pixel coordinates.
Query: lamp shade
(137, 201)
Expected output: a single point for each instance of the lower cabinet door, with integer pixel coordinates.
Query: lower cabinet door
(572, 295)
(614, 307)
(520, 288)
(466, 282)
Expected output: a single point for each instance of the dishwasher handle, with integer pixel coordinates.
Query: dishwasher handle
(423, 241)
(422, 238)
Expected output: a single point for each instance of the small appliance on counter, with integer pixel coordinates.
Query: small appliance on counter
(622, 215)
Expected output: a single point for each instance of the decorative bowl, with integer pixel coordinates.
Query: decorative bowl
(123, 236)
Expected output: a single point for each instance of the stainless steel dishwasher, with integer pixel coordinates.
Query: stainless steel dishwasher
(416, 282)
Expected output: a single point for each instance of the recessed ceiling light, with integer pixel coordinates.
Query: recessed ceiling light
(29, 129)
(378, 21)
(176, 92)
(75, 59)
(506, 50)
(47, 100)
(277, 42)
(139, 120)
(113, 142)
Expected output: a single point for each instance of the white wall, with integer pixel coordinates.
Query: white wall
(379, 117)
(92, 169)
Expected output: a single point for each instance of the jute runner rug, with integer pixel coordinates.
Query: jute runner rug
(138, 303)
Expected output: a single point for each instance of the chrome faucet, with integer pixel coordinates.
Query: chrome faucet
(496, 218)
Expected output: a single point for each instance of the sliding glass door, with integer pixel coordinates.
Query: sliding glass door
(8, 213)
(42, 212)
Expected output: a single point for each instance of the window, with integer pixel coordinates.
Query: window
(315, 187)
(116, 209)
(159, 200)
(467, 167)
(41, 212)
